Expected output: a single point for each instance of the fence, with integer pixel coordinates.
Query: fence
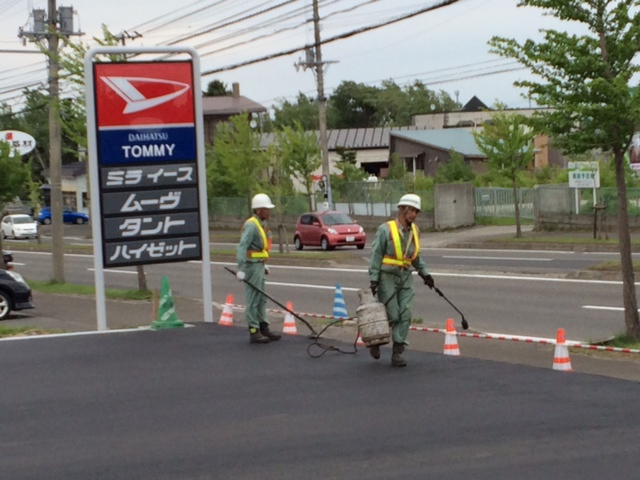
(378, 199)
(499, 202)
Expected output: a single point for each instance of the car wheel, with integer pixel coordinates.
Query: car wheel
(5, 305)
(324, 243)
(298, 243)
(79, 221)
(46, 221)
(360, 246)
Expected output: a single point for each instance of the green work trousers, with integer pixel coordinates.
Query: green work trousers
(399, 307)
(256, 312)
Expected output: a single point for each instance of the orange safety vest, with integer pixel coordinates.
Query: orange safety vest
(400, 260)
(266, 241)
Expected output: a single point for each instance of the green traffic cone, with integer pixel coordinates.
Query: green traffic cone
(167, 317)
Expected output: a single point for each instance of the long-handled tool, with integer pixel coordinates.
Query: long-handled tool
(464, 323)
(313, 331)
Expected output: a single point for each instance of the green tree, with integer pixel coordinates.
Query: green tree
(586, 80)
(397, 168)
(303, 111)
(456, 170)
(237, 158)
(12, 181)
(349, 172)
(300, 154)
(508, 144)
(216, 88)
(352, 105)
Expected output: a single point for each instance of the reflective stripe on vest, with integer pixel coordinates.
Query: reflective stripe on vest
(399, 260)
(266, 241)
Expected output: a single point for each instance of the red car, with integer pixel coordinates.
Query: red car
(328, 230)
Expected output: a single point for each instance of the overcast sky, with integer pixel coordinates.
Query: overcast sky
(445, 48)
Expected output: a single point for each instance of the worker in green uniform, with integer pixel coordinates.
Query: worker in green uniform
(252, 253)
(395, 252)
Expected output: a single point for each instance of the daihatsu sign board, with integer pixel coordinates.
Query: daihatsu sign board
(146, 159)
(147, 162)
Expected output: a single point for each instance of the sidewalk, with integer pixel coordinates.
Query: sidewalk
(469, 235)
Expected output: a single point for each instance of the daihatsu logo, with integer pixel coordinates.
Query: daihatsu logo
(138, 101)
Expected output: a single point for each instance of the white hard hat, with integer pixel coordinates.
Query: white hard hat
(411, 200)
(261, 200)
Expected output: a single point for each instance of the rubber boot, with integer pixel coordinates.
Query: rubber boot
(375, 351)
(264, 330)
(396, 358)
(256, 336)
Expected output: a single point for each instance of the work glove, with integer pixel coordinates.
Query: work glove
(240, 276)
(374, 287)
(266, 270)
(428, 281)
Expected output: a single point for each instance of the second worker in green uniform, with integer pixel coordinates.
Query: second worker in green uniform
(252, 253)
(395, 252)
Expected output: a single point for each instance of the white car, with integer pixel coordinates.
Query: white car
(19, 226)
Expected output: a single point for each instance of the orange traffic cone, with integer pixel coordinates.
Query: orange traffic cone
(226, 318)
(359, 340)
(289, 326)
(561, 360)
(450, 339)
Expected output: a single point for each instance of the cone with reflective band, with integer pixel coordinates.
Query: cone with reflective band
(289, 326)
(561, 360)
(451, 339)
(359, 340)
(167, 317)
(339, 307)
(226, 318)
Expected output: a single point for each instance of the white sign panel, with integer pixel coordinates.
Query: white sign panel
(584, 174)
(20, 142)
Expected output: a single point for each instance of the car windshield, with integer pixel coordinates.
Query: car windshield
(22, 219)
(336, 219)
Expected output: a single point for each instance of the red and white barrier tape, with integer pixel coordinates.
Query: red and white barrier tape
(518, 338)
(488, 336)
(302, 314)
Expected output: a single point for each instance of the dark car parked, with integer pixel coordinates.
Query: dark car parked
(8, 258)
(15, 293)
(328, 230)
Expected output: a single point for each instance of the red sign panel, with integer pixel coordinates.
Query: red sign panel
(149, 93)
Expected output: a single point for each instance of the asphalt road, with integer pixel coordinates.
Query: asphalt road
(201, 403)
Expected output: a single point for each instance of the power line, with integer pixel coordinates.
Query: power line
(342, 36)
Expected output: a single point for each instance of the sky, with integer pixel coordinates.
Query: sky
(445, 48)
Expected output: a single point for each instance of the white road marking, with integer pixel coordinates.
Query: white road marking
(598, 307)
(110, 270)
(498, 258)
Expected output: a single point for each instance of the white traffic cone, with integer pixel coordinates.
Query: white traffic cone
(226, 318)
(451, 339)
(561, 360)
(289, 326)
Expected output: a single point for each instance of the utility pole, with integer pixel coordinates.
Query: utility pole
(57, 22)
(314, 61)
(322, 107)
(55, 146)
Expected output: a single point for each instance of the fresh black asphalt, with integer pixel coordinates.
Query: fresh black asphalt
(202, 403)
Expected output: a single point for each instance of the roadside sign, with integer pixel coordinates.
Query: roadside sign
(146, 163)
(584, 174)
(20, 142)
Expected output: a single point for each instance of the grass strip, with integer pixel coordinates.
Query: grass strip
(89, 290)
